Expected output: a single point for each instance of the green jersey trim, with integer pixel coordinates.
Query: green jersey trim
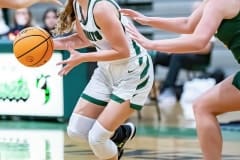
(236, 80)
(84, 21)
(136, 47)
(119, 15)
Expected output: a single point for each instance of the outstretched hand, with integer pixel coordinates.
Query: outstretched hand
(52, 1)
(70, 63)
(137, 16)
(137, 36)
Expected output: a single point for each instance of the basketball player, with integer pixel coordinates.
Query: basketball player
(214, 17)
(16, 4)
(120, 84)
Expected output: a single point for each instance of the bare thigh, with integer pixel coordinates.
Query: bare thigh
(88, 109)
(222, 98)
(115, 114)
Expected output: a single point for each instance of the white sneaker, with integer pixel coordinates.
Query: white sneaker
(167, 95)
(167, 101)
(148, 101)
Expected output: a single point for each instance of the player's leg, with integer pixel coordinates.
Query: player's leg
(108, 121)
(224, 97)
(143, 87)
(85, 115)
(82, 119)
(129, 95)
(92, 102)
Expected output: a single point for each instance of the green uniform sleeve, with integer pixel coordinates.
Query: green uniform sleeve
(236, 80)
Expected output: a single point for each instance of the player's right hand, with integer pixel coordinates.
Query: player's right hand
(137, 16)
(52, 1)
(68, 64)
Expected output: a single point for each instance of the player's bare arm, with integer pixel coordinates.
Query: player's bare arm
(118, 41)
(75, 41)
(120, 48)
(16, 4)
(192, 42)
(182, 25)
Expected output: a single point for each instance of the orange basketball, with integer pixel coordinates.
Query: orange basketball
(33, 47)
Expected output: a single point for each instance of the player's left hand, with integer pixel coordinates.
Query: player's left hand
(70, 63)
(137, 16)
(52, 1)
(137, 36)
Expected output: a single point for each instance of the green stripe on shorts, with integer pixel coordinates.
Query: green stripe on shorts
(236, 80)
(116, 98)
(94, 100)
(135, 106)
(120, 100)
(143, 84)
(145, 70)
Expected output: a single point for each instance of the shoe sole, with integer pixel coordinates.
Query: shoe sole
(132, 133)
(130, 138)
(120, 154)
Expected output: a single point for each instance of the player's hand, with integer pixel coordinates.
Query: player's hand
(52, 1)
(70, 63)
(137, 16)
(138, 37)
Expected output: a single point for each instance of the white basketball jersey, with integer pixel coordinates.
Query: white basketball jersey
(95, 35)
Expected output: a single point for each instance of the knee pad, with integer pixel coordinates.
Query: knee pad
(79, 126)
(100, 143)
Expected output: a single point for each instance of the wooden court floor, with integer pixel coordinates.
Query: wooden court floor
(34, 140)
(152, 148)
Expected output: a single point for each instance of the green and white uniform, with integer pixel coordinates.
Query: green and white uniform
(119, 80)
(229, 34)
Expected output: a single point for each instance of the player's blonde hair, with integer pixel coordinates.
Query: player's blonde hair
(65, 19)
